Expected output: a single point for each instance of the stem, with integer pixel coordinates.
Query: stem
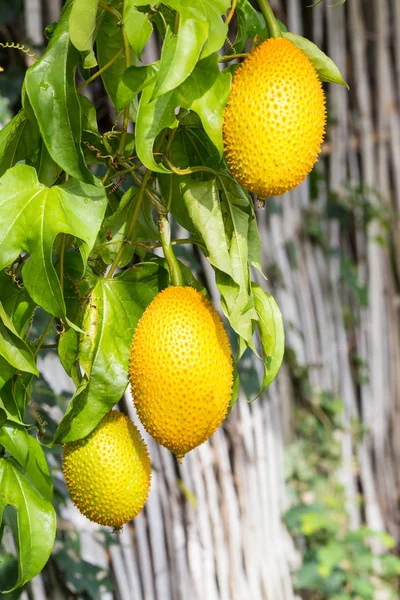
(62, 252)
(107, 176)
(231, 12)
(189, 170)
(177, 22)
(269, 17)
(155, 244)
(173, 265)
(44, 335)
(101, 71)
(230, 57)
(113, 11)
(127, 49)
(132, 223)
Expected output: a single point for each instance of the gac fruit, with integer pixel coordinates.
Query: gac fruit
(108, 472)
(181, 369)
(275, 118)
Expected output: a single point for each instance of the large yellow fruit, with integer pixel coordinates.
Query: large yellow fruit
(108, 472)
(181, 369)
(274, 121)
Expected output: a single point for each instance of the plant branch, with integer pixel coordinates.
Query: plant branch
(122, 142)
(62, 252)
(149, 246)
(132, 223)
(269, 17)
(101, 71)
(189, 170)
(44, 336)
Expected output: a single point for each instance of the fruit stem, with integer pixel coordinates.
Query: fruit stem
(173, 265)
(273, 27)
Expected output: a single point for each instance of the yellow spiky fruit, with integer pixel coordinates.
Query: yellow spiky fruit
(274, 121)
(108, 472)
(181, 369)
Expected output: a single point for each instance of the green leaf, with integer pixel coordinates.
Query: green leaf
(329, 557)
(35, 526)
(108, 43)
(16, 302)
(89, 116)
(282, 26)
(13, 348)
(238, 307)
(138, 28)
(113, 310)
(205, 11)
(272, 335)
(135, 80)
(250, 23)
(18, 141)
(6, 372)
(203, 206)
(45, 166)
(50, 85)
(82, 24)
(206, 92)
(115, 228)
(29, 454)
(14, 397)
(152, 117)
(313, 521)
(68, 349)
(33, 216)
(180, 54)
(209, 11)
(9, 573)
(325, 67)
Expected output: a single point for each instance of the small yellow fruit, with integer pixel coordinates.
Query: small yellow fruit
(181, 369)
(108, 472)
(275, 118)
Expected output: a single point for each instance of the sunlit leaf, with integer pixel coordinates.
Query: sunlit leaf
(33, 215)
(18, 140)
(137, 27)
(29, 454)
(250, 23)
(82, 24)
(12, 347)
(206, 92)
(35, 525)
(272, 335)
(50, 85)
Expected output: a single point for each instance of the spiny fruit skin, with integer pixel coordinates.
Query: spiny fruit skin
(108, 472)
(181, 369)
(275, 118)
